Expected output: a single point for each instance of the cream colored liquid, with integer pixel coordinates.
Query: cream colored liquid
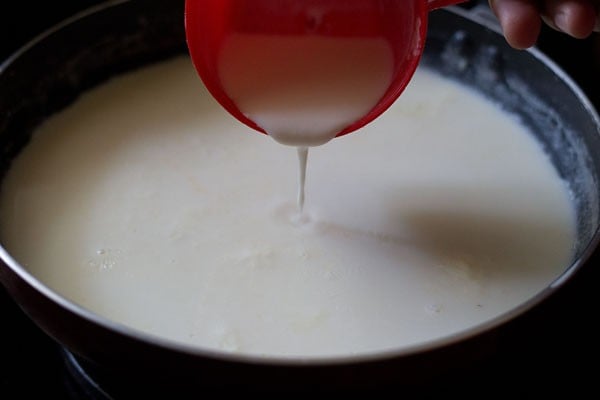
(146, 203)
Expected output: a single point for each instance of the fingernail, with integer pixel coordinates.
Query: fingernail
(561, 21)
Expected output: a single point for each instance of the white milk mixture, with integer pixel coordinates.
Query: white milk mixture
(148, 204)
(304, 90)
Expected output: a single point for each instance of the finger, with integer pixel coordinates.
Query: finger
(573, 17)
(520, 21)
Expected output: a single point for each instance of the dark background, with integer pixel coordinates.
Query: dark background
(555, 349)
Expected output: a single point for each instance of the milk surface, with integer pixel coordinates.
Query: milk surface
(149, 205)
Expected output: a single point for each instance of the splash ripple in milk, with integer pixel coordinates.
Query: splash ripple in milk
(147, 204)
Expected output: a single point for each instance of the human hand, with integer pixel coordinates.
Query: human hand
(521, 20)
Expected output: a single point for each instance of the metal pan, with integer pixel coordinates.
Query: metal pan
(49, 73)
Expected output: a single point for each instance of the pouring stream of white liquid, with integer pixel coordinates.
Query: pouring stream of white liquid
(303, 90)
(302, 163)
